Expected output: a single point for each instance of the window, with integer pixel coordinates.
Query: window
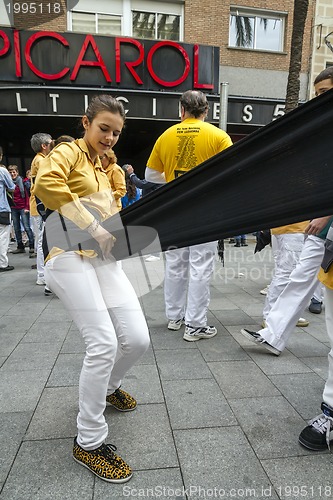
(104, 24)
(155, 26)
(258, 30)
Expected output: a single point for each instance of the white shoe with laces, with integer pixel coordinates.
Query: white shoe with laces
(202, 332)
(258, 339)
(175, 324)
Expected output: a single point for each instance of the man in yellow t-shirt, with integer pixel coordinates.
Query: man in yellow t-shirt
(188, 270)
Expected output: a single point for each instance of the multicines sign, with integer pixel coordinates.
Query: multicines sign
(112, 62)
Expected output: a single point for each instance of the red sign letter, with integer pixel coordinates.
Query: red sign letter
(129, 65)
(6, 43)
(17, 52)
(150, 66)
(99, 63)
(196, 84)
(27, 54)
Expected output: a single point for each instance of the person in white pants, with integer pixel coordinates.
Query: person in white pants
(187, 279)
(91, 285)
(287, 247)
(188, 270)
(284, 313)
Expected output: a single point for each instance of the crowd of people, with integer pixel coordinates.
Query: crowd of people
(79, 181)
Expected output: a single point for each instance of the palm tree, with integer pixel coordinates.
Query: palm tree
(293, 85)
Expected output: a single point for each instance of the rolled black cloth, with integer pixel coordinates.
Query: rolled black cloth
(263, 238)
(280, 174)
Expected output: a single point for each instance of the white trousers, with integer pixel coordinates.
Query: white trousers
(106, 310)
(187, 278)
(4, 244)
(286, 252)
(328, 389)
(37, 227)
(303, 281)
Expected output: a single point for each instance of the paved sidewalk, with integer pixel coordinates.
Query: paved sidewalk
(217, 418)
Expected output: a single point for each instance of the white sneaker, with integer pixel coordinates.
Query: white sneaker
(264, 291)
(152, 258)
(175, 324)
(205, 332)
(40, 281)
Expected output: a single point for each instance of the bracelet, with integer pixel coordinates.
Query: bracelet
(93, 226)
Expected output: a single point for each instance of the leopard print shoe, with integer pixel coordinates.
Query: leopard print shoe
(121, 400)
(103, 462)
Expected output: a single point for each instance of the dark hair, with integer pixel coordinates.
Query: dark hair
(38, 139)
(104, 102)
(194, 102)
(325, 75)
(63, 138)
(130, 189)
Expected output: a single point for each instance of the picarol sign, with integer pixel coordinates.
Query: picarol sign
(73, 59)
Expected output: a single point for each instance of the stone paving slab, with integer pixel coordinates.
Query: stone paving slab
(47, 332)
(143, 437)
(28, 356)
(45, 469)
(21, 390)
(66, 370)
(270, 425)
(221, 459)
(211, 407)
(307, 477)
(303, 391)
(55, 414)
(319, 364)
(182, 365)
(279, 365)
(242, 379)
(12, 430)
(160, 483)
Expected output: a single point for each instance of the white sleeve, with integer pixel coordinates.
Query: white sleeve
(152, 175)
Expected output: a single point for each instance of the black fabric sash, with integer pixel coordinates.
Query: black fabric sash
(281, 174)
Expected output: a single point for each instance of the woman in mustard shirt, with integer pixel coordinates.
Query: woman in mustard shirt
(89, 282)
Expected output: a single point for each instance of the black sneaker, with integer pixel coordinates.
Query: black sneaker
(7, 268)
(103, 462)
(315, 306)
(47, 291)
(258, 339)
(319, 433)
(121, 400)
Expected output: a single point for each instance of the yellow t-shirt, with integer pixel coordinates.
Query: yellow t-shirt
(298, 227)
(185, 145)
(34, 169)
(326, 278)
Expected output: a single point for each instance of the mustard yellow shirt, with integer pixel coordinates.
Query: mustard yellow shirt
(185, 145)
(116, 177)
(34, 169)
(298, 227)
(69, 181)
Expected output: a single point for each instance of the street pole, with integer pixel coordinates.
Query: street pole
(224, 87)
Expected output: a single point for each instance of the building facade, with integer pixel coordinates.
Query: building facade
(55, 55)
(322, 54)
